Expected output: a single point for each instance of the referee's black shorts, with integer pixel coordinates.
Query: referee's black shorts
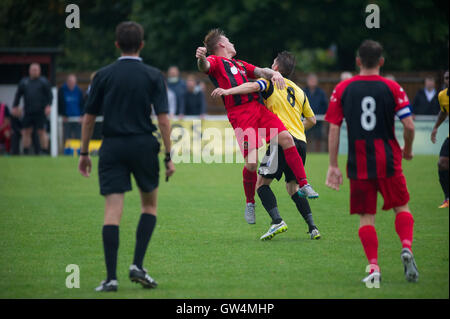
(444, 149)
(125, 155)
(34, 120)
(273, 165)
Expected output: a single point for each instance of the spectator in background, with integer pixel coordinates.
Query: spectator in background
(5, 127)
(172, 100)
(319, 103)
(178, 86)
(37, 94)
(195, 103)
(346, 75)
(316, 96)
(70, 106)
(426, 100)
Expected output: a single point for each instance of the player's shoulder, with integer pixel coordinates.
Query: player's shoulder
(43, 80)
(391, 83)
(105, 69)
(293, 85)
(341, 86)
(213, 57)
(443, 93)
(152, 70)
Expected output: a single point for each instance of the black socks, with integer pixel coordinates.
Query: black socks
(110, 235)
(270, 203)
(304, 209)
(111, 245)
(143, 234)
(443, 179)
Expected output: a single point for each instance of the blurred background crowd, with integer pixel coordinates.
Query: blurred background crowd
(40, 53)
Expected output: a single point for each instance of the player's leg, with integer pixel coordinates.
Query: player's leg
(443, 171)
(144, 164)
(43, 136)
(114, 180)
(404, 226)
(363, 202)
(276, 132)
(396, 197)
(249, 178)
(26, 139)
(269, 202)
(110, 235)
(301, 202)
(43, 140)
(295, 163)
(303, 207)
(144, 233)
(245, 130)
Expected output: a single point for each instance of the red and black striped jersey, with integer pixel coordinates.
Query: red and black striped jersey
(369, 105)
(227, 73)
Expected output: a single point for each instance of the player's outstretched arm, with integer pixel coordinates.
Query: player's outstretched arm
(440, 119)
(408, 136)
(269, 74)
(202, 63)
(334, 175)
(246, 88)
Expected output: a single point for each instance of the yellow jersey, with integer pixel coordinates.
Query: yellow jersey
(288, 104)
(443, 100)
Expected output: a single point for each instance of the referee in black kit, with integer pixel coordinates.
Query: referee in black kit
(123, 93)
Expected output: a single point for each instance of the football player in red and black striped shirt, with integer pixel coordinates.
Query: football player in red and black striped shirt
(369, 104)
(250, 119)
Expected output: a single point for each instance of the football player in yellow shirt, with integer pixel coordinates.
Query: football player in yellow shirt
(290, 105)
(443, 155)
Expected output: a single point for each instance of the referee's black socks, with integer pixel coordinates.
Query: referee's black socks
(270, 203)
(110, 235)
(304, 209)
(143, 234)
(443, 179)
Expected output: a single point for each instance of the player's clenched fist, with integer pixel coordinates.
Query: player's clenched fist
(200, 53)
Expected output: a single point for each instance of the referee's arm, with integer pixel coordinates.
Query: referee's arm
(92, 109)
(161, 106)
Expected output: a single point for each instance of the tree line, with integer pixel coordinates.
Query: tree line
(324, 34)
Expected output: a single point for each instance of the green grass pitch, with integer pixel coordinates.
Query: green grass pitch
(202, 247)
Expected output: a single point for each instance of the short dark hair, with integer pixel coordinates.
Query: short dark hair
(286, 63)
(129, 36)
(212, 39)
(370, 53)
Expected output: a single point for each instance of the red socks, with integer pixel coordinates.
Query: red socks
(404, 224)
(249, 181)
(295, 162)
(369, 240)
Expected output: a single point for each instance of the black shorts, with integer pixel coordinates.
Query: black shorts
(125, 155)
(35, 120)
(273, 165)
(444, 149)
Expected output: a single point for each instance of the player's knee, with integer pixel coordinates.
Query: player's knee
(443, 163)
(252, 167)
(401, 209)
(285, 140)
(366, 220)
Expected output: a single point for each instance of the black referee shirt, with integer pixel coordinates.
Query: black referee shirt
(37, 95)
(123, 93)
